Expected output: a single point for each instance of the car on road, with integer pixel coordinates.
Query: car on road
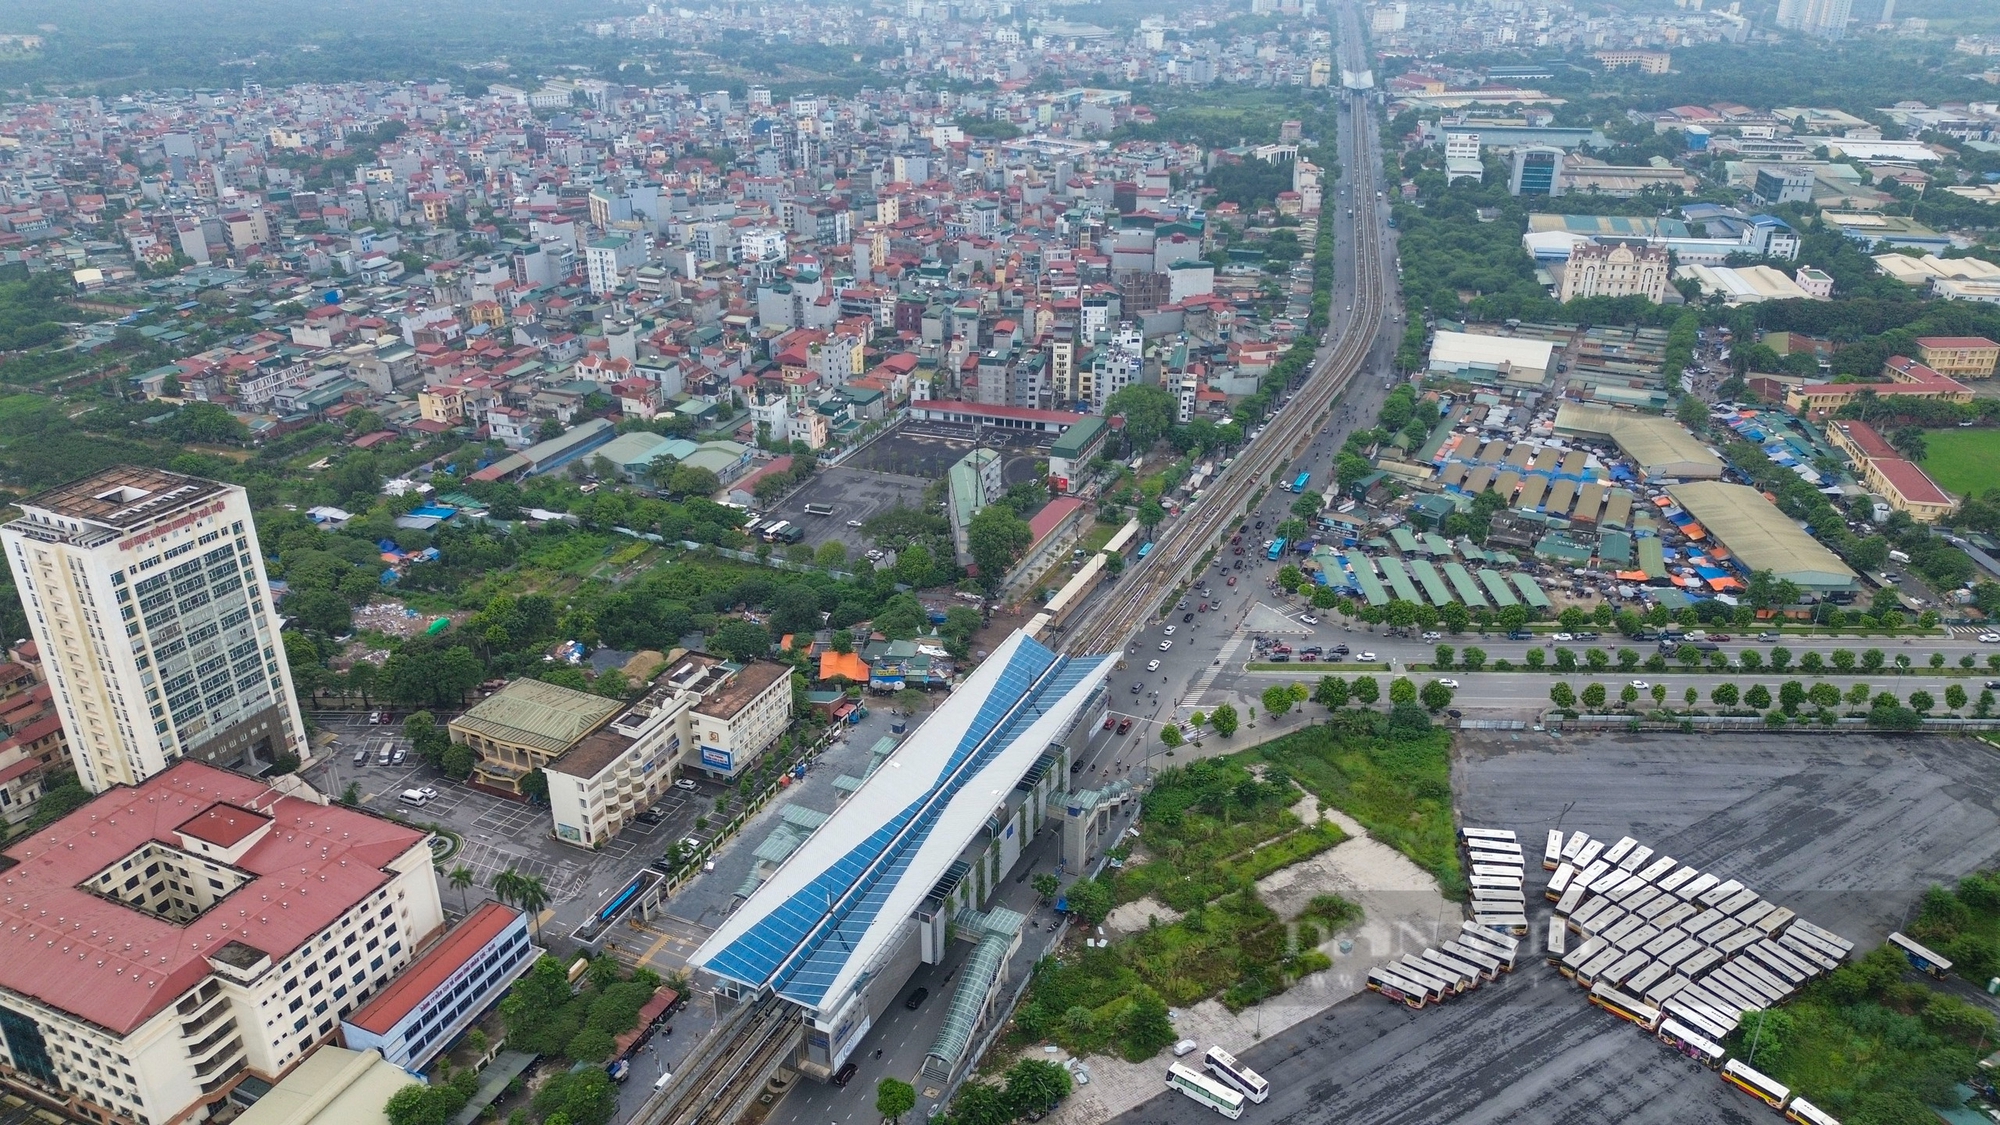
(1152, 665)
(1187, 617)
(1433, 636)
(1718, 636)
(686, 783)
(1989, 638)
(1165, 645)
(1260, 525)
(1993, 685)
(1203, 607)
(1109, 722)
(1136, 688)
(1449, 682)
(1366, 658)
(1563, 637)
(854, 523)
(1309, 619)
(1232, 580)
(1125, 724)
(1170, 629)
(1183, 604)
(1642, 685)
(1341, 649)
(1520, 635)
(916, 999)
(846, 1073)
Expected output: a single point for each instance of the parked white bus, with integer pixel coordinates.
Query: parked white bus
(1207, 1091)
(1559, 882)
(1691, 1043)
(1806, 1113)
(1625, 1006)
(1920, 957)
(1762, 1087)
(1224, 1066)
(1552, 855)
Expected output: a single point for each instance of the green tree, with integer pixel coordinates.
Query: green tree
(980, 1104)
(1436, 697)
(1922, 701)
(1331, 693)
(1046, 886)
(1144, 1030)
(1034, 1086)
(1277, 700)
(997, 537)
(1367, 690)
(1224, 719)
(1593, 695)
(894, 1098)
(1402, 691)
(1723, 694)
(1954, 697)
(1562, 695)
(1149, 412)
(462, 878)
(1758, 697)
(741, 640)
(1170, 734)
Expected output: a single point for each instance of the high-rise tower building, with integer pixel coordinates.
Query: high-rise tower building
(146, 591)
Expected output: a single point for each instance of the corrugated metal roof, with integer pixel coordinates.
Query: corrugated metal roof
(532, 713)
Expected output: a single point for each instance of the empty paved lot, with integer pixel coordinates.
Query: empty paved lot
(854, 494)
(1846, 831)
(929, 451)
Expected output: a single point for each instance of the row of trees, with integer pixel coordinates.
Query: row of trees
(1792, 695)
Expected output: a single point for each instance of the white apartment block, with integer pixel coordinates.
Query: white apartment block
(146, 593)
(703, 714)
(170, 939)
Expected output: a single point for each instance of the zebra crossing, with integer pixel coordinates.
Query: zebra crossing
(1199, 686)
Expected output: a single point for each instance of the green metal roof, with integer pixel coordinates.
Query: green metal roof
(532, 713)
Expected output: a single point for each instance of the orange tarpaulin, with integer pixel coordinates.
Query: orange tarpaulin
(1694, 531)
(848, 664)
(1725, 583)
(1632, 576)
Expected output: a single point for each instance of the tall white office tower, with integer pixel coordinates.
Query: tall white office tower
(146, 591)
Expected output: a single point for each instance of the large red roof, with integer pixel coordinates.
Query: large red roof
(1916, 485)
(116, 965)
(381, 1014)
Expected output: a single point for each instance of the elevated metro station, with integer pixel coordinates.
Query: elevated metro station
(914, 856)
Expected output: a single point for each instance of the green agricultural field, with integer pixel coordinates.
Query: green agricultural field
(1966, 462)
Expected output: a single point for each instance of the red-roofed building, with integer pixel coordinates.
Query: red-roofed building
(1959, 357)
(1908, 379)
(952, 412)
(1899, 481)
(171, 938)
(446, 990)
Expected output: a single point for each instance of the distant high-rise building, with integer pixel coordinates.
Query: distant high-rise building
(146, 593)
(1826, 19)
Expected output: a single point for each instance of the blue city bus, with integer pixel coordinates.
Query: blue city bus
(1145, 549)
(1277, 550)
(1299, 485)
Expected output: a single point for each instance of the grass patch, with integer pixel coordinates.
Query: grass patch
(1962, 460)
(1868, 1046)
(1201, 822)
(1236, 947)
(1386, 773)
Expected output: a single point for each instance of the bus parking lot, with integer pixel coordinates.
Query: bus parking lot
(854, 495)
(1846, 833)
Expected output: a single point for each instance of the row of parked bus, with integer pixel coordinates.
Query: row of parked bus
(1475, 956)
(1496, 876)
(1683, 955)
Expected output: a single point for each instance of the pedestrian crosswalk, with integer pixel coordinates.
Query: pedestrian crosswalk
(1199, 686)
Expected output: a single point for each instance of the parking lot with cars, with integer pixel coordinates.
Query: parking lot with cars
(497, 833)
